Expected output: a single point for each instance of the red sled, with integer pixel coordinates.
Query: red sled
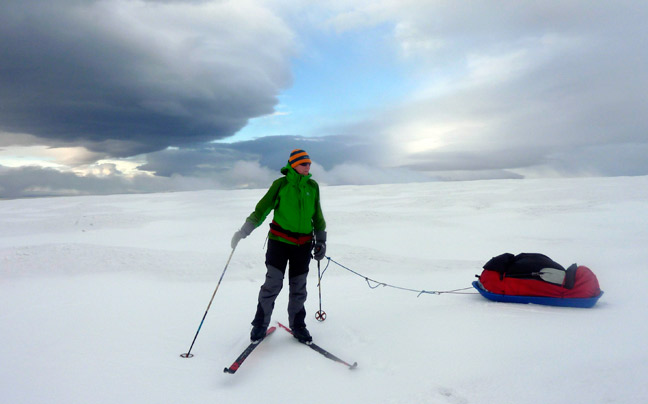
(536, 278)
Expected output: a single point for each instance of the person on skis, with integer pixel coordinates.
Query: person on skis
(298, 226)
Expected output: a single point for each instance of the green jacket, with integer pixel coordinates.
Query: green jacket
(295, 199)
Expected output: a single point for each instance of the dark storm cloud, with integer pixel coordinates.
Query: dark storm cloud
(127, 78)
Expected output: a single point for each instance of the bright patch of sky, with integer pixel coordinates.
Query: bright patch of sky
(337, 78)
(20, 156)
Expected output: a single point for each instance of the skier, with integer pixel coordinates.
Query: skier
(297, 227)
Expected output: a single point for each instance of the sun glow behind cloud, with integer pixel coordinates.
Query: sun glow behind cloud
(420, 137)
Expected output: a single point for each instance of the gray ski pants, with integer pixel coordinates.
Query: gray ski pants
(279, 256)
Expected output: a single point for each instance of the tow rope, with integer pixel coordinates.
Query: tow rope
(373, 284)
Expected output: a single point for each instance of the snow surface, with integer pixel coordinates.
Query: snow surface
(100, 295)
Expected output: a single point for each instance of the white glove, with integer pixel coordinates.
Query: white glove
(243, 232)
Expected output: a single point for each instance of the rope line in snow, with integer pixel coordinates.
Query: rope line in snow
(373, 284)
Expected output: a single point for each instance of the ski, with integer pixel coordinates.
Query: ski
(322, 351)
(239, 361)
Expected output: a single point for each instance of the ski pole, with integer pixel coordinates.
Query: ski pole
(321, 314)
(189, 354)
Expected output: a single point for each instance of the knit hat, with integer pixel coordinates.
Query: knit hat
(298, 157)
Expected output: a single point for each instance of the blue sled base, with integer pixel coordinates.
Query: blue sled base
(585, 302)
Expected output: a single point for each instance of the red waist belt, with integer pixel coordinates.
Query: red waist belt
(297, 238)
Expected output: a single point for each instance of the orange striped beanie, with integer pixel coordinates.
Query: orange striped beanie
(297, 157)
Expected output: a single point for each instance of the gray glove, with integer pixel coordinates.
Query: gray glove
(319, 248)
(243, 232)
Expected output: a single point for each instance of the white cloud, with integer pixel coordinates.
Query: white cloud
(362, 174)
(247, 174)
(46, 156)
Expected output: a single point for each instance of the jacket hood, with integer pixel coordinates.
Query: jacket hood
(290, 172)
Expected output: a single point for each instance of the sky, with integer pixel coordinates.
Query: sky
(115, 96)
